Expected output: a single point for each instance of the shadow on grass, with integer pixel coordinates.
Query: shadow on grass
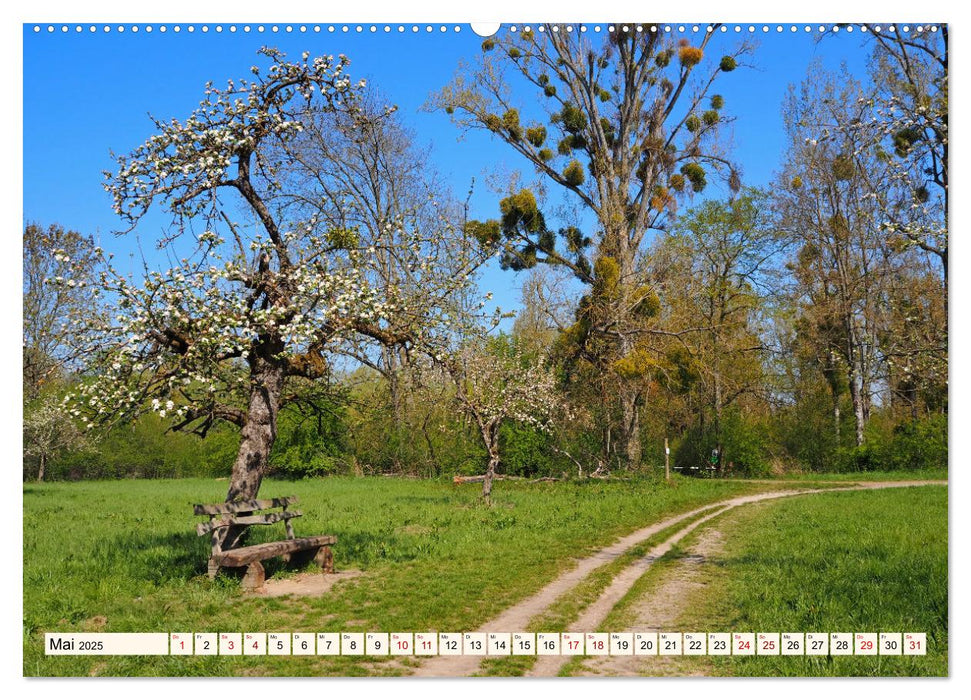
(165, 558)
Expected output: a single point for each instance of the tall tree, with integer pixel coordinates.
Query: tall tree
(251, 309)
(726, 255)
(907, 114)
(626, 127)
(840, 267)
(52, 256)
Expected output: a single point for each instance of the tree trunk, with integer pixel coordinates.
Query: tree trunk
(859, 408)
(40, 470)
(718, 413)
(836, 419)
(490, 437)
(489, 475)
(256, 438)
(631, 434)
(628, 393)
(259, 430)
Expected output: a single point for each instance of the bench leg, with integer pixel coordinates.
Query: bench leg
(254, 578)
(213, 568)
(325, 560)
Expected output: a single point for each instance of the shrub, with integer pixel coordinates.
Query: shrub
(907, 446)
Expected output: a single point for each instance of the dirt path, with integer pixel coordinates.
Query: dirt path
(517, 617)
(659, 611)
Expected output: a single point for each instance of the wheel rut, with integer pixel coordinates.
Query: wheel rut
(517, 617)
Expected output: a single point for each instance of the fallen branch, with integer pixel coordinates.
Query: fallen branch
(500, 477)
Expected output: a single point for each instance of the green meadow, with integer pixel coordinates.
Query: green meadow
(864, 561)
(123, 556)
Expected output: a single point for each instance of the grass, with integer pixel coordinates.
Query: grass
(915, 475)
(119, 556)
(853, 561)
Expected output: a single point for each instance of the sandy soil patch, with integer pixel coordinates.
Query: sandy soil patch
(306, 584)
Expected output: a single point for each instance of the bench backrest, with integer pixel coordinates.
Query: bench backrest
(241, 513)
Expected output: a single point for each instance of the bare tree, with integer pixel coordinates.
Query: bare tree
(54, 255)
(826, 207)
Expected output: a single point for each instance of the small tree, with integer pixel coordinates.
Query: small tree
(497, 383)
(48, 432)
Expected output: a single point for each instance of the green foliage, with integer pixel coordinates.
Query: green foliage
(343, 238)
(574, 174)
(710, 117)
(487, 233)
(514, 53)
(649, 303)
(545, 155)
(145, 449)
(573, 118)
(510, 122)
(311, 445)
(727, 64)
(717, 101)
(904, 140)
(912, 445)
(695, 174)
(606, 278)
(549, 90)
(521, 211)
(527, 452)
(575, 240)
(488, 44)
(743, 441)
(692, 123)
(843, 167)
(536, 135)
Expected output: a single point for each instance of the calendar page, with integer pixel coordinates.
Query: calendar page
(520, 349)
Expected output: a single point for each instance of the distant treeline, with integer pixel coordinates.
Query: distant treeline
(343, 442)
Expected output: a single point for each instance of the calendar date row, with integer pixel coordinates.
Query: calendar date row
(489, 644)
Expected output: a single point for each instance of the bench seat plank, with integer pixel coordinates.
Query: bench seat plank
(258, 552)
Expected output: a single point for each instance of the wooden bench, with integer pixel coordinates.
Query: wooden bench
(241, 514)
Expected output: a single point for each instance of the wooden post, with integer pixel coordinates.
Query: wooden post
(325, 560)
(667, 461)
(254, 578)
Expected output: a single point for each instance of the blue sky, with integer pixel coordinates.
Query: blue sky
(86, 94)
